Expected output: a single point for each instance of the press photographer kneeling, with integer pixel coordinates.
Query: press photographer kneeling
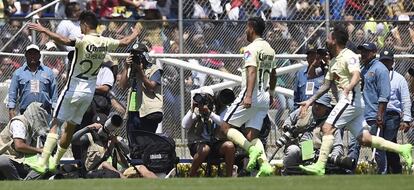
(204, 141)
(98, 144)
(302, 136)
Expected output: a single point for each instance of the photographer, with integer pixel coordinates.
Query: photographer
(98, 142)
(145, 98)
(307, 128)
(203, 139)
(18, 140)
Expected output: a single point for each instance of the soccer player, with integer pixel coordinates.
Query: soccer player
(252, 104)
(344, 78)
(90, 51)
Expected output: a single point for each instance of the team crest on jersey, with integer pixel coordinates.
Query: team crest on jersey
(352, 61)
(247, 55)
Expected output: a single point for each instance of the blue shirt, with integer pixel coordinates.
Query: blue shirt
(300, 85)
(376, 87)
(399, 96)
(27, 87)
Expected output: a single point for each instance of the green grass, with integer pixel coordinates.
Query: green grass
(365, 182)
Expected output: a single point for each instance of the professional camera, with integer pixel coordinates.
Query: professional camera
(140, 54)
(342, 162)
(290, 132)
(110, 125)
(203, 100)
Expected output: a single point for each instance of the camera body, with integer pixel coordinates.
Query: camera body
(140, 54)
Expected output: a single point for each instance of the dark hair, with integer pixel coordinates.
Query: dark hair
(340, 34)
(70, 9)
(258, 25)
(89, 18)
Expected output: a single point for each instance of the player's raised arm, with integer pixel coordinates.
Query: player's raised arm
(129, 39)
(56, 37)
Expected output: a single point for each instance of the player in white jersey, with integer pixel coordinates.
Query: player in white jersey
(252, 104)
(344, 78)
(90, 51)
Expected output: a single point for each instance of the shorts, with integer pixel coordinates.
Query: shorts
(346, 115)
(214, 148)
(252, 117)
(71, 106)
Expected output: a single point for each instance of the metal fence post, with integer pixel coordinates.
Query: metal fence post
(34, 32)
(327, 17)
(181, 46)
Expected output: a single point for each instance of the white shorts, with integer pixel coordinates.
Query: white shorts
(252, 117)
(346, 115)
(71, 106)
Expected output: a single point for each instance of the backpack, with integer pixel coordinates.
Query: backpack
(157, 152)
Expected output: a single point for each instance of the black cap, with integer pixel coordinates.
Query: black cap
(386, 55)
(367, 46)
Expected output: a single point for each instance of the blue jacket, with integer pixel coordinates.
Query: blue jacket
(27, 87)
(376, 88)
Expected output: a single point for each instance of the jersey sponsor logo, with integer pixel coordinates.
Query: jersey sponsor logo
(92, 48)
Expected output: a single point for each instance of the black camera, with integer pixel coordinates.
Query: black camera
(289, 133)
(140, 54)
(342, 162)
(202, 99)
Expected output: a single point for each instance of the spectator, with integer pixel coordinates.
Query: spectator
(70, 28)
(402, 35)
(7, 66)
(398, 112)
(18, 140)
(279, 9)
(357, 37)
(9, 8)
(33, 82)
(23, 8)
(376, 88)
(310, 78)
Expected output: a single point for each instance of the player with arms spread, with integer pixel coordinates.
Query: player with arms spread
(90, 51)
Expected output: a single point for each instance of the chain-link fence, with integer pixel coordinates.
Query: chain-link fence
(291, 35)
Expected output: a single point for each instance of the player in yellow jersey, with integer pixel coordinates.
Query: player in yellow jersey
(343, 78)
(90, 51)
(252, 104)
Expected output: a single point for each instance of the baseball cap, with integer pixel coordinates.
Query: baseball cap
(32, 46)
(367, 46)
(206, 90)
(386, 55)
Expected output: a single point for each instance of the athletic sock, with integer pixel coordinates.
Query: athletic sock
(59, 154)
(50, 144)
(382, 144)
(258, 144)
(326, 146)
(238, 138)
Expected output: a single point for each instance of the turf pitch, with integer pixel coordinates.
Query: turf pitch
(365, 182)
